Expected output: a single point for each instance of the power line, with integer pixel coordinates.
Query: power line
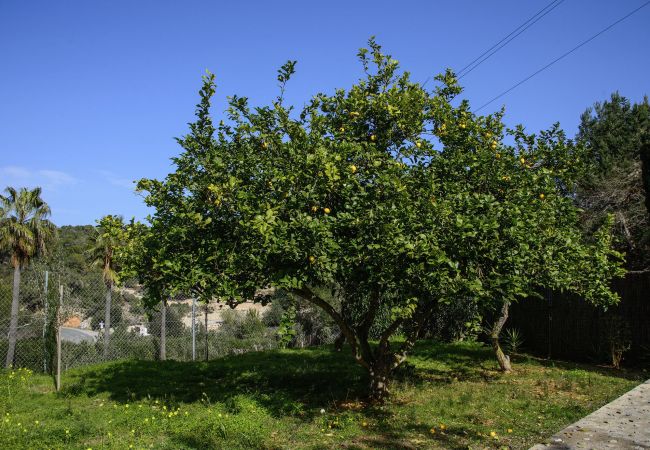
(534, 18)
(491, 53)
(564, 55)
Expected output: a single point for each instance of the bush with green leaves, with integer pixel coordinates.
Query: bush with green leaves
(455, 321)
(173, 319)
(299, 323)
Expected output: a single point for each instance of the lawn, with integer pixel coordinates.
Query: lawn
(449, 396)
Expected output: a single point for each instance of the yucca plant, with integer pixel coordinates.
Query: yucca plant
(513, 340)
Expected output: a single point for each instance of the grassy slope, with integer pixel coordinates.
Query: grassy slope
(274, 400)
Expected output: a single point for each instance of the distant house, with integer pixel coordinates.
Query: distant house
(140, 329)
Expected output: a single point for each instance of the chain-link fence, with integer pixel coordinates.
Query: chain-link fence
(100, 324)
(30, 330)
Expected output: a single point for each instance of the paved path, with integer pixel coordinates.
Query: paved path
(77, 335)
(622, 424)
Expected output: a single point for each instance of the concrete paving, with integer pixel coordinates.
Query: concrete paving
(622, 424)
(77, 335)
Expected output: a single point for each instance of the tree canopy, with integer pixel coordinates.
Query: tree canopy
(25, 229)
(375, 204)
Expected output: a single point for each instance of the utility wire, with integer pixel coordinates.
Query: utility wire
(563, 55)
(545, 10)
(491, 53)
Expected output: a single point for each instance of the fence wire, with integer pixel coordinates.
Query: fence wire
(183, 329)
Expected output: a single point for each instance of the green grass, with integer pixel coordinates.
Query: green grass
(274, 400)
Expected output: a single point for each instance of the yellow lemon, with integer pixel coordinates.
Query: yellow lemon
(418, 144)
(373, 137)
(312, 260)
(353, 168)
(541, 196)
(327, 210)
(314, 208)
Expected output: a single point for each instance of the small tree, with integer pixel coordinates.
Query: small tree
(375, 204)
(109, 237)
(25, 233)
(535, 240)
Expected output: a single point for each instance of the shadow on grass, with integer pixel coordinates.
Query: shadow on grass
(411, 436)
(448, 363)
(287, 382)
(629, 373)
(282, 381)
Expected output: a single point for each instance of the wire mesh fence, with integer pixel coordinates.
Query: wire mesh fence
(98, 323)
(31, 322)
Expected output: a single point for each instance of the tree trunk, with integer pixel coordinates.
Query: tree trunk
(13, 324)
(379, 378)
(503, 359)
(339, 341)
(163, 331)
(645, 172)
(107, 319)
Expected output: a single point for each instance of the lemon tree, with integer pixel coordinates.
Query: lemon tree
(374, 203)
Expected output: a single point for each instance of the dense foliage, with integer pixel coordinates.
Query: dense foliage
(617, 135)
(385, 199)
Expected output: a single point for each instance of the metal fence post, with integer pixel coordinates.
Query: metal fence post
(194, 329)
(549, 296)
(45, 318)
(163, 331)
(206, 331)
(58, 339)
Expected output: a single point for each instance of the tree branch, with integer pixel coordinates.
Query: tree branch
(423, 316)
(307, 295)
(498, 325)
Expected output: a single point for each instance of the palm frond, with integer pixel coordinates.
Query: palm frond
(25, 230)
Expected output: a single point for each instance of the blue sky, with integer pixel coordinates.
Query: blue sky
(93, 93)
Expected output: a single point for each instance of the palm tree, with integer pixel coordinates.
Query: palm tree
(25, 232)
(107, 240)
